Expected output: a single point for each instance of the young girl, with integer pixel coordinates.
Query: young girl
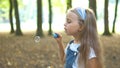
(84, 50)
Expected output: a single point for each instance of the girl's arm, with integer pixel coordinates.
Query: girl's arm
(94, 63)
(61, 47)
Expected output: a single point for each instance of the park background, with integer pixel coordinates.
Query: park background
(23, 52)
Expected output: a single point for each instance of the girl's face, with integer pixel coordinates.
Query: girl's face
(72, 26)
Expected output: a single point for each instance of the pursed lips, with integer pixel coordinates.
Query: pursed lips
(65, 28)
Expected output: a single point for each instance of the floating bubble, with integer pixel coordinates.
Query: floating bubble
(37, 39)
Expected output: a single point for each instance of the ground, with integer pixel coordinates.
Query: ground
(24, 52)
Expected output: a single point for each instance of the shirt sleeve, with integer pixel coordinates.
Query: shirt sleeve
(92, 53)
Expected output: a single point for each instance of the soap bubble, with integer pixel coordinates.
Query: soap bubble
(37, 39)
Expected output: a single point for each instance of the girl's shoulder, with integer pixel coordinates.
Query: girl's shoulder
(73, 46)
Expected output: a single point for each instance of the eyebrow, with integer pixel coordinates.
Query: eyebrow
(67, 18)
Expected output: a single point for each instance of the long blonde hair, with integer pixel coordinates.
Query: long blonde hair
(88, 37)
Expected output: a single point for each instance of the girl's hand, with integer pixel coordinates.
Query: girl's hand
(58, 37)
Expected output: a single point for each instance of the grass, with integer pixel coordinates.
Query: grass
(24, 52)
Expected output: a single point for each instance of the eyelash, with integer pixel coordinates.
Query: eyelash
(68, 22)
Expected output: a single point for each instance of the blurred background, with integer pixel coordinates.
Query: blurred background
(22, 20)
(53, 12)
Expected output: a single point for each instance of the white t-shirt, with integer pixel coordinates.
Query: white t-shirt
(74, 46)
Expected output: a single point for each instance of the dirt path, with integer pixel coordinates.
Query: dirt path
(23, 52)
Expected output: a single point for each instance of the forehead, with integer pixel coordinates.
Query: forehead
(71, 15)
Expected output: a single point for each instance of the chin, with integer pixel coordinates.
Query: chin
(68, 33)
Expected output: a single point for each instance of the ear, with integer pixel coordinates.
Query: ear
(81, 27)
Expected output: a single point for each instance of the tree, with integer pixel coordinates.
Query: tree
(50, 18)
(92, 5)
(106, 22)
(39, 18)
(11, 17)
(69, 4)
(18, 29)
(116, 5)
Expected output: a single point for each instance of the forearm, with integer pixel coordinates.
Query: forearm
(61, 51)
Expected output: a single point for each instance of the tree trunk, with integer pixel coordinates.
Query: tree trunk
(11, 17)
(18, 29)
(106, 22)
(113, 29)
(39, 18)
(50, 18)
(92, 5)
(69, 4)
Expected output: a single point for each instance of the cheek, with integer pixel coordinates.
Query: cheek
(72, 29)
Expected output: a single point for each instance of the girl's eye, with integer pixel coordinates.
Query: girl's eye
(68, 21)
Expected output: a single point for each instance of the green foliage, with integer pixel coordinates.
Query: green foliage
(56, 3)
(20, 4)
(4, 7)
(4, 3)
(59, 3)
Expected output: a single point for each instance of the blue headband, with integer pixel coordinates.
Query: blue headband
(81, 12)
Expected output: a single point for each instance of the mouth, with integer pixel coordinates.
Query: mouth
(65, 29)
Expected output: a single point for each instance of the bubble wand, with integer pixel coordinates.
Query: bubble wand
(55, 35)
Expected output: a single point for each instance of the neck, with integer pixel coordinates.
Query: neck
(76, 39)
